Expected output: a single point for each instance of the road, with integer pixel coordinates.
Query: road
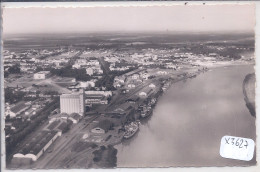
(74, 58)
(105, 68)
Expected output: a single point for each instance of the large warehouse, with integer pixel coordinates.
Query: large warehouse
(38, 145)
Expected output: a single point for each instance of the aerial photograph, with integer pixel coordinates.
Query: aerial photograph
(107, 87)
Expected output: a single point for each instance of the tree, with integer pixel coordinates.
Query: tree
(14, 69)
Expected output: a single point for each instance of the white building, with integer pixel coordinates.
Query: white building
(87, 84)
(135, 76)
(41, 75)
(152, 85)
(145, 76)
(104, 93)
(90, 71)
(131, 85)
(73, 103)
(143, 94)
(162, 72)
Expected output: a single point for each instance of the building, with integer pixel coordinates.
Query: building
(73, 103)
(135, 76)
(41, 75)
(64, 117)
(102, 127)
(59, 117)
(131, 86)
(16, 110)
(90, 71)
(145, 76)
(120, 79)
(104, 93)
(87, 84)
(96, 99)
(162, 72)
(152, 85)
(30, 112)
(37, 145)
(145, 93)
(126, 111)
(75, 118)
(117, 85)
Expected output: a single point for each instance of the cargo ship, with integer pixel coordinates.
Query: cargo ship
(146, 113)
(131, 129)
(153, 102)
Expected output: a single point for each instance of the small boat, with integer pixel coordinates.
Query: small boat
(131, 129)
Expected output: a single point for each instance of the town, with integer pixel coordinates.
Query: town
(66, 107)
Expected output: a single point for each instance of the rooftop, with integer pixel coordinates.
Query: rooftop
(105, 125)
(19, 106)
(75, 116)
(35, 145)
(43, 72)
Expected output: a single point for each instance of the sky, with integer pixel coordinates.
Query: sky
(177, 18)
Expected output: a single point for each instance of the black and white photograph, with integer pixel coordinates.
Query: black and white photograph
(129, 86)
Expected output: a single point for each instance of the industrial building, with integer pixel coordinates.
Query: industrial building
(102, 127)
(97, 97)
(104, 93)
(73, 103)
(16, 110)
(37, 146)
(74, 117)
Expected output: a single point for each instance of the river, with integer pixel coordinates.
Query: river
(189, 121)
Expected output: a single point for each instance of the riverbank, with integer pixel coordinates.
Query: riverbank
(116, 136)
(72, 158)
(185, 125)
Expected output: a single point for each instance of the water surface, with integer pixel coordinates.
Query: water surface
(189, 121)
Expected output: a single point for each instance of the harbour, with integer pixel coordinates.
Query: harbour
(179, 136)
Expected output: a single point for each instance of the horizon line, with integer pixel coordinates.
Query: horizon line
(130, 32)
